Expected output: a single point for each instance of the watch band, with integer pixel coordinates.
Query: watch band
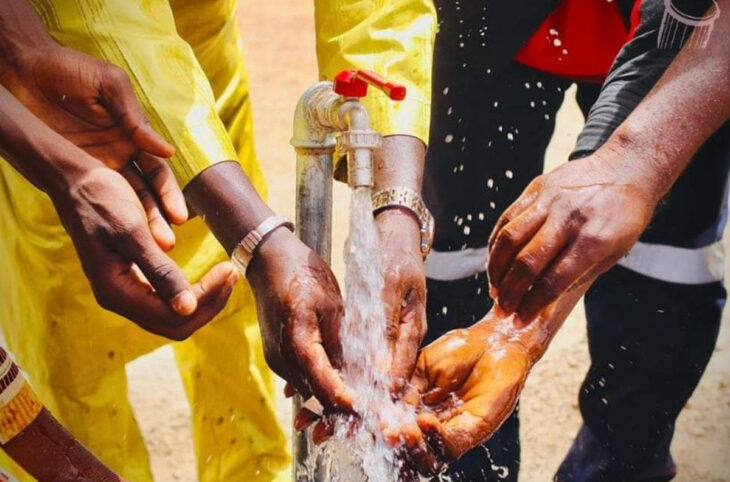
(411, 200)
(244, 251)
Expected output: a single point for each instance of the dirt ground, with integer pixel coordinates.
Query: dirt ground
(278, 41)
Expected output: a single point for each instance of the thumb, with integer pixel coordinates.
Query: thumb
(164, 275)
(118, 96)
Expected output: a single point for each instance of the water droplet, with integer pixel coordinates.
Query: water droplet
(444, 309)
(467, 230)
(490, 183)
(508, 174)
(448, 138)
(446, 90)
(510, 136)
(557, 42)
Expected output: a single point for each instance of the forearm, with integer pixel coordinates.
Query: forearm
(687, 105)
(41, 155)
(48, 453)
(400, 162)
(21, 30)
(227, 201)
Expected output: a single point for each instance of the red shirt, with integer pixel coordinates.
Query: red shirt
(579, 40)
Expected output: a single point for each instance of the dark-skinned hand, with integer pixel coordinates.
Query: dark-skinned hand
(569, 225)
(92, 104)
(300, 310)
(129, 273)
(404, 295)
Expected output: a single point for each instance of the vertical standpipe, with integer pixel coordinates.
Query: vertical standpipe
(324, 110)
(314, 228)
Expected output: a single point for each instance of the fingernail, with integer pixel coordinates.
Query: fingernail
(184, 303)
(493, 293)
(181, 208)
(233, 277)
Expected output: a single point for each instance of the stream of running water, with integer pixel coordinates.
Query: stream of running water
(363, 455)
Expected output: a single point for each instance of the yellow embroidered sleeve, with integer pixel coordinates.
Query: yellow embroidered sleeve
(140, 37)
(393, 38)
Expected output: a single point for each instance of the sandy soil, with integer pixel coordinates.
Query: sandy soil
(278, 40)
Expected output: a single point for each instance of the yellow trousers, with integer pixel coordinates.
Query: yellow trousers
(74, 351)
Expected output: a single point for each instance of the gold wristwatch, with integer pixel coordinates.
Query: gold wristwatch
(411, 200)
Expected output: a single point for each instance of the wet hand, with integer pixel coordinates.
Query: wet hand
(92, 104)
(300, 310)
(569, 225)
(465, 385)
(404, 293)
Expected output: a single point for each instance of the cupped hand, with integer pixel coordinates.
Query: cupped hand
(404, 293)
(128, 271)
(92, 104)
(466, 384)
(568, 226)
(300, 311)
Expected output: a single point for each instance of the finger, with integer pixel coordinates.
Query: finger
(322, 432)
(304, 418)
(118, 95)
(212, 301)
(573, 267)
(119, 290)
(411, 330)
(418, 452)
(512, 212)
(510, 240)
(159, 175)
(289, 390)
(435, 435)
(305, 343)
(547, 244)
(160, 230)
(163, 274)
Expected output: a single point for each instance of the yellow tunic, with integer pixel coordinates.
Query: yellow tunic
(184, 59)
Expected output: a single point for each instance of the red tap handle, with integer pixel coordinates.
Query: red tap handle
(354, 83)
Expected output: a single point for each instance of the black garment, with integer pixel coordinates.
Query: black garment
(650, 340)
(477, 89)
(492, 120)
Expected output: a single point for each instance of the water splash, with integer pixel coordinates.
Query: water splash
(361, 454)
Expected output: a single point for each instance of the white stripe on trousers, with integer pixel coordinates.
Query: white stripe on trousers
(689, 266)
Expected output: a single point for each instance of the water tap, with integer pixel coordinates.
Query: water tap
(329, 118)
